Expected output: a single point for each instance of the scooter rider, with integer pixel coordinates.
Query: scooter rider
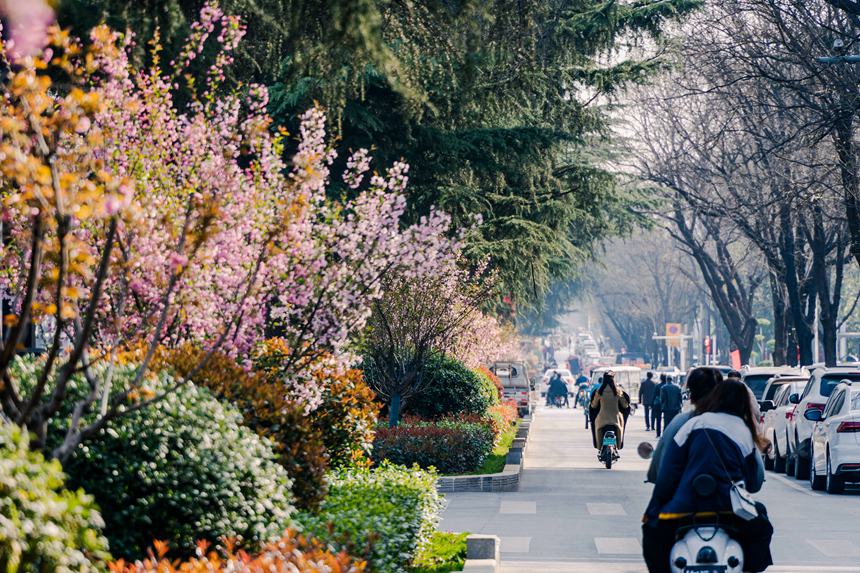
(720, 439)
(557, 387)
(610, 407)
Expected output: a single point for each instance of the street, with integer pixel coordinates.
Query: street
(571, 515)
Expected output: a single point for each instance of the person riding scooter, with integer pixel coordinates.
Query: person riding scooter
(719, 442)
(557, 389)
(609, 409)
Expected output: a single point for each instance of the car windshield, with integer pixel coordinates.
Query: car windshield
(774, 388)
(757, 382)
(830, 381)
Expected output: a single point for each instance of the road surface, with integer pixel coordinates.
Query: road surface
(572, 516)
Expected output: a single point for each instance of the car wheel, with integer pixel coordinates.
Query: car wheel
(835, 484)
(816, 482)
(789, 459)
(778, 460)
(801, 466)
(768, 460)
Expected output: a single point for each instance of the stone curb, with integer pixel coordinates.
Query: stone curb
(507, 480)
(483, 554)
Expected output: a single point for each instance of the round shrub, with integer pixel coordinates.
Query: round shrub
(297, 439)
(180, 470)
(496, 381)
(449, 387)
(44, 527)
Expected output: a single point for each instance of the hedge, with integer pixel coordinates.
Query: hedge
(385, 515)
(450, 446)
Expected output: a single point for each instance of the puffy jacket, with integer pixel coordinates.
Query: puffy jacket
(728, 456)
(671, 398)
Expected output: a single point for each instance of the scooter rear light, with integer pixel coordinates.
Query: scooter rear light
(848, 427)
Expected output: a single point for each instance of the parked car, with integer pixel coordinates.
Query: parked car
(776, 420)
(565, 375)
(814, 397)
(757, 377)
(516, 384)
(835, 445)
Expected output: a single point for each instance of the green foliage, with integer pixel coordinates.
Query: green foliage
(492, 103)
(386, 515)
(297, 441)
(44, 527)
(180, 470)
(445, 553)
(449, 446)
(495, 462)
(449, 387)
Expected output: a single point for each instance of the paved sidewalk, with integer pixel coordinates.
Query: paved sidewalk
(571, 515)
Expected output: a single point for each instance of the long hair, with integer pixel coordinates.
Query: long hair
(732, 397)
(701, 381)
(609, 382)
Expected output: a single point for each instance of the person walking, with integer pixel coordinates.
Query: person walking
(610, 407)
(671, 400)
(646, 397)
(656, 408)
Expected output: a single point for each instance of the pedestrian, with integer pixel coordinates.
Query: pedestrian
(671, 401)
(656, 408)
(646, 397)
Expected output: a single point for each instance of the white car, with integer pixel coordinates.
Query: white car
(565, 375)
(835, 446)
(758, 377)
(776, 418)
(814, 397)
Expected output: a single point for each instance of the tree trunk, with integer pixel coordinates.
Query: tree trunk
(780, 326)
(844, 143)
(394, 410)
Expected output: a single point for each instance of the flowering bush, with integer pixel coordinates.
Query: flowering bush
(385, 515)
(297, 441)
(451, 388)
(180, 470)
(506, 412)
(450, 446)
(42, 526)
(290, 554)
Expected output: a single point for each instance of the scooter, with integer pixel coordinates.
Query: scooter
(706, 547)
(609, 449)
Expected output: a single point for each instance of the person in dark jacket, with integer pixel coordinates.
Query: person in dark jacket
(721, 440)
(656, 409)
(646, 397)
(671, 400)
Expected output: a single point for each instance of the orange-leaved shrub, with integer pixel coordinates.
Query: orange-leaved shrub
(347, 413)
(298, 443)
(291, 554)
(497, 382)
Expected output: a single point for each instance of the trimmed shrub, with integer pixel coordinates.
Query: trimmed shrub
(497, 382)
(451, 388)
(298, 441)
(182, 469)
(44, 527)
(449, 446)
(346, 418)
(385, 515)
(292, 553)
